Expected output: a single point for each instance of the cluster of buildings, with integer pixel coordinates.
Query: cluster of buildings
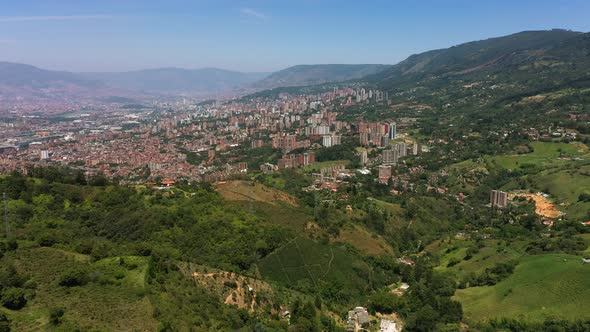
(286, 143)
(376, 133)
(392, 153)
(357, 319)
(297, 160)
(184, 142)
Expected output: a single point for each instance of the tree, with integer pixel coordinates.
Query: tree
(425, 320)
(384, 302)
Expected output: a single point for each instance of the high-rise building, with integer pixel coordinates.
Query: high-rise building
(336, 139)
(401, 149)
(308, 158)
(385, 141)
(364, 157)
(389, 157)
(327, 141)
(498, 198)
(384, 172)
(392, 130)
(364, 139)
(415, 149)
(44, 155)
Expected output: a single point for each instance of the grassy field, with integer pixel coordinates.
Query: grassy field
(566, 185)
(114, 300)
(545, 154)
(492, 253)
(542, 286)
(586, 238)
(391, 207)
(278, 214)
(246, 191)
(266, 203)
(318, 166)
(363, 240)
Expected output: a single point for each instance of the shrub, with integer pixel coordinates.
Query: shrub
(73, 277)
(46, 239)
(585, 197)
(4, 323)
(453, 262)
(55, 315)
(13, 298)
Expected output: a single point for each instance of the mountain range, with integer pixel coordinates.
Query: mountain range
(16, 78)
(176, 80)
(523, 63)
(21, 75)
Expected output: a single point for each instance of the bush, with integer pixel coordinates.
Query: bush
(8, 245)
(585, 197)
(13, 298)
(4, 323)
(453, 262)
(73, 277)
(55, 315)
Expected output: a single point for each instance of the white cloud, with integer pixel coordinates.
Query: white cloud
(253, 13)
(53, 18)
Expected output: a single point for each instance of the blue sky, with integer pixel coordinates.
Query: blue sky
(259, 35)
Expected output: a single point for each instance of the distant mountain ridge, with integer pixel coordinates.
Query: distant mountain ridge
(177, 80)
(21, 75)
(303, 75)
(502, 67)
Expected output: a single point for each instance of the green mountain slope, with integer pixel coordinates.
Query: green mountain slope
(317, 74)
(493, 71)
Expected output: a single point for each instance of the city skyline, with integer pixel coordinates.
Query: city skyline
(258, 36)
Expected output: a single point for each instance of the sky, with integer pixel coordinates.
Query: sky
(259, 35)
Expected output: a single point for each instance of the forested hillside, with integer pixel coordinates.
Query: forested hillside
(492, 73)
(80, 255)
